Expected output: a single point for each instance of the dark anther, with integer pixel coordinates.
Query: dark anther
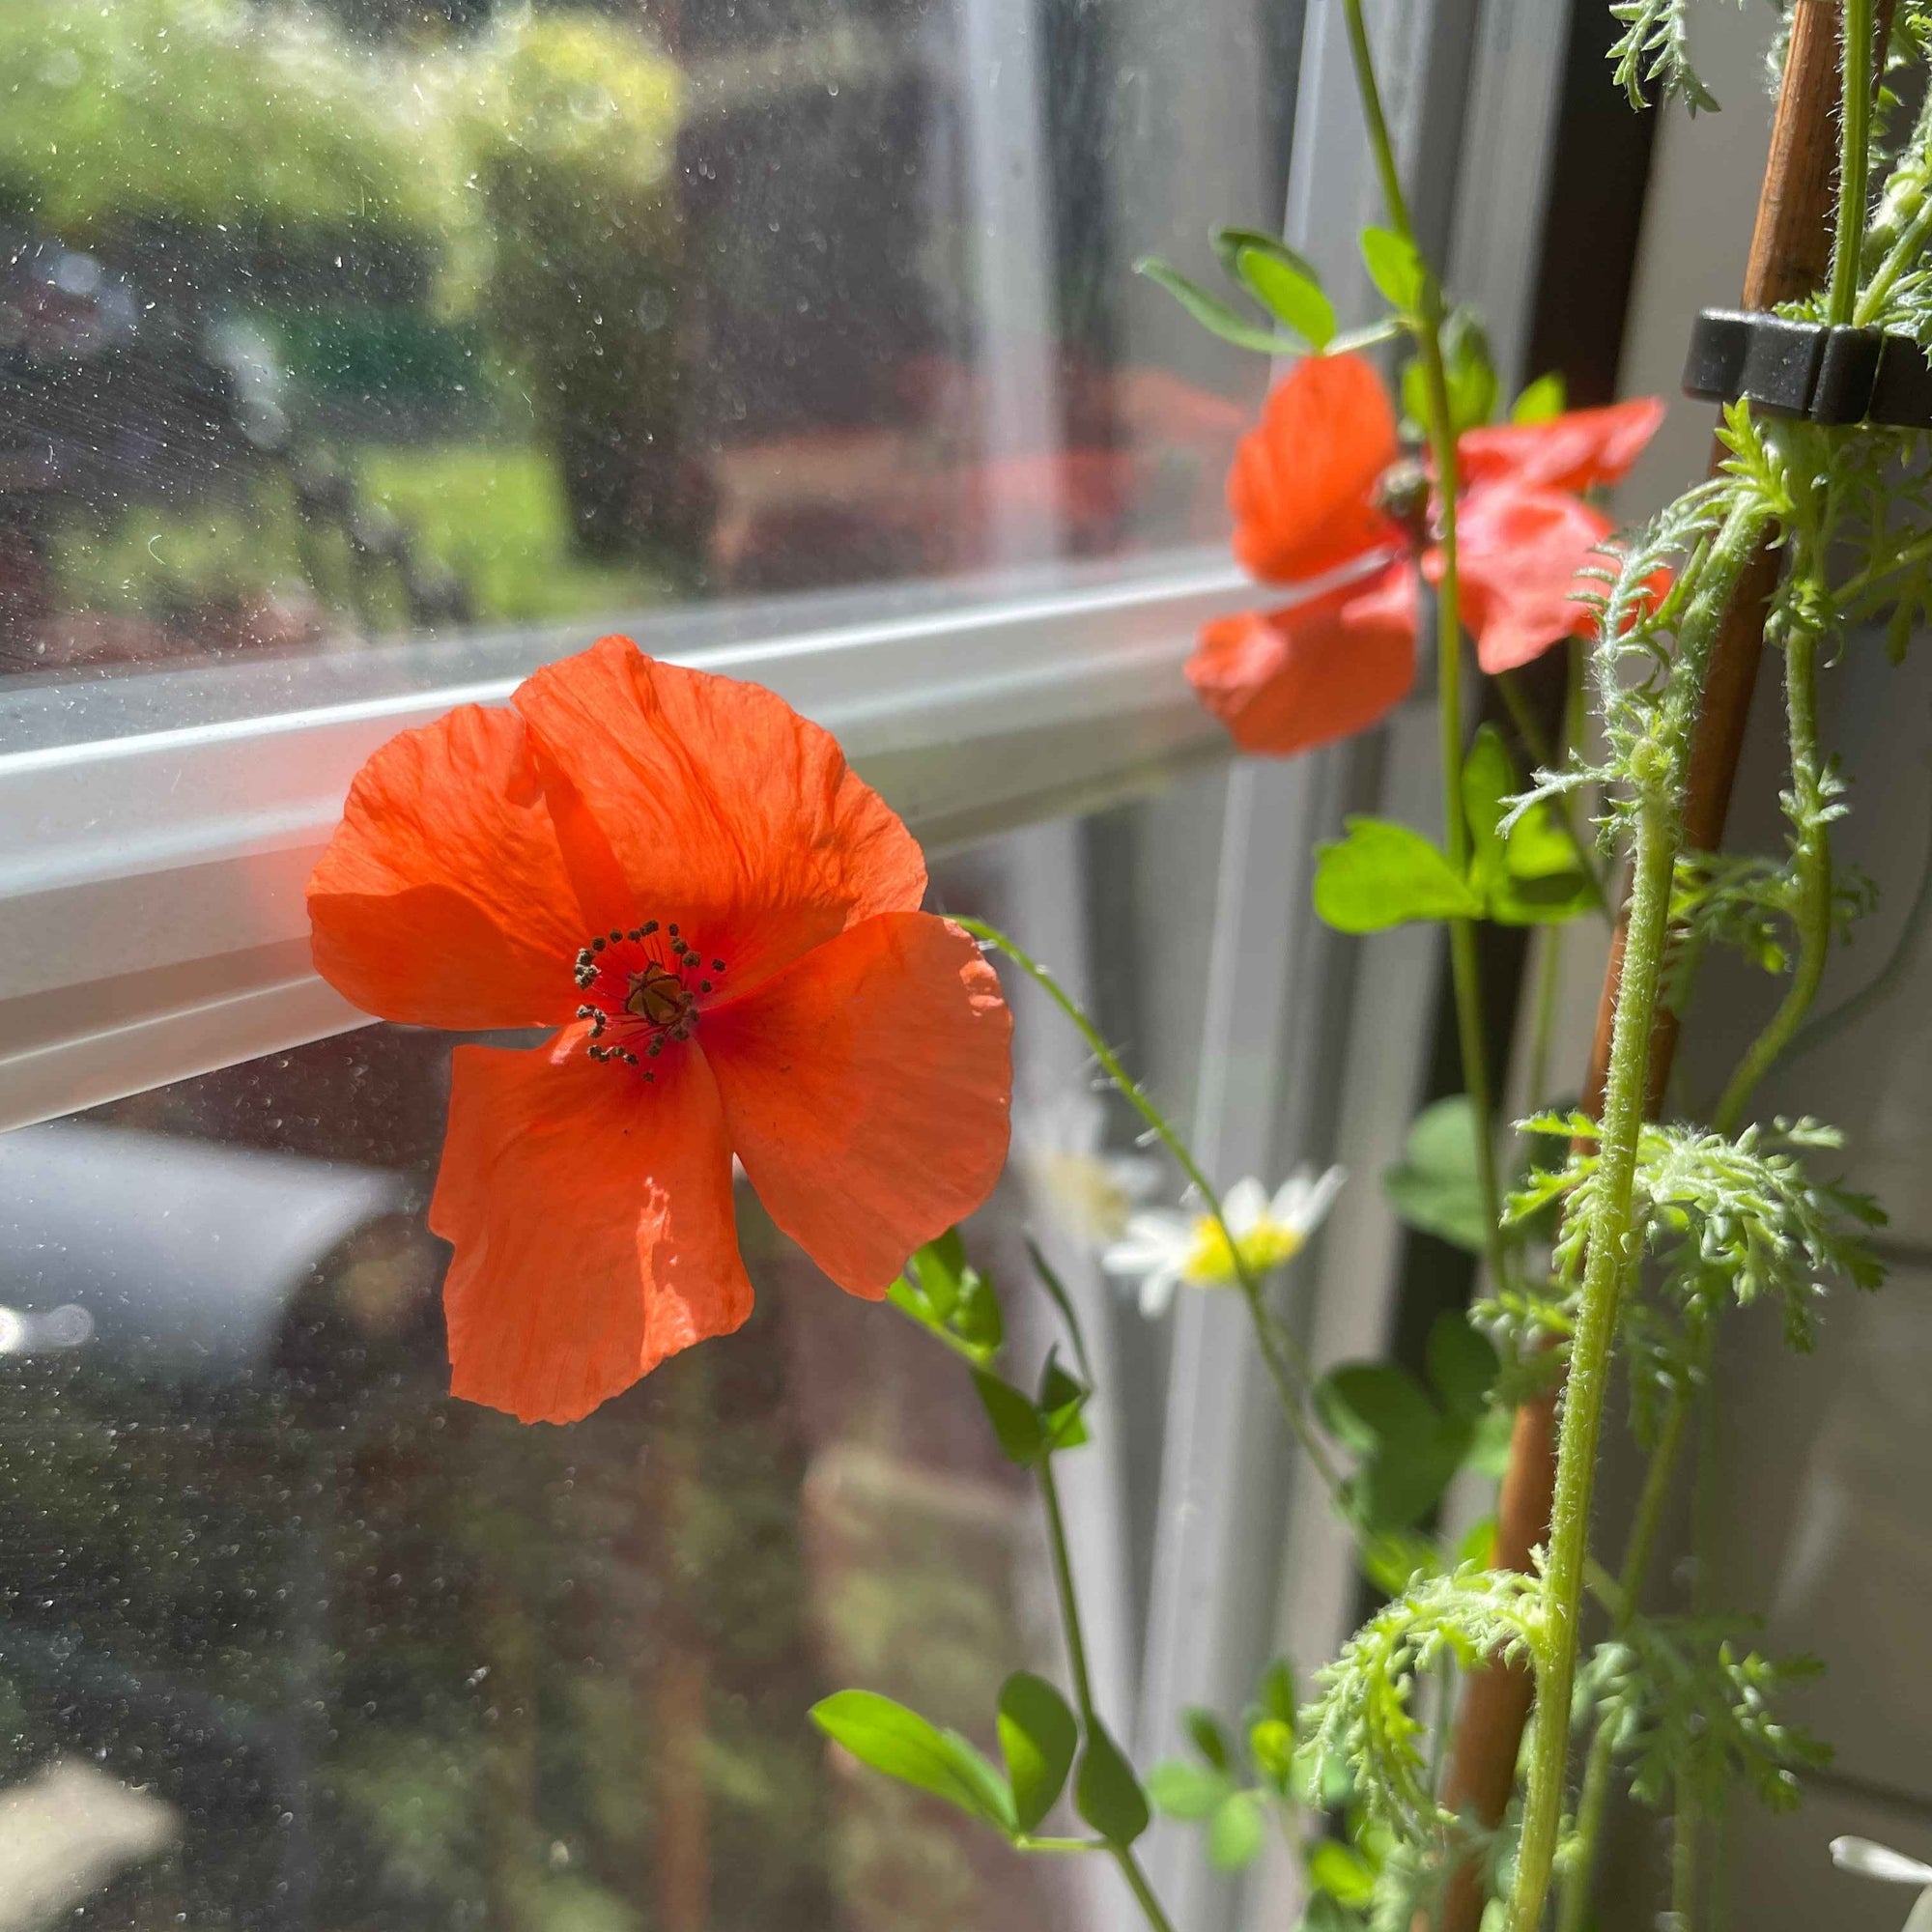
(704, 985)
(637, 933)
(616, 937)
(651, 925)
(597, 944)
(655, 1046)
(678, 947)
(673, 928)
(718, 965)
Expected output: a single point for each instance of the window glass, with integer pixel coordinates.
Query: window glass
(290, 1639)
(325, 322)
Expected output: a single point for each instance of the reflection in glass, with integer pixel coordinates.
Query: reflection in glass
(327, 320)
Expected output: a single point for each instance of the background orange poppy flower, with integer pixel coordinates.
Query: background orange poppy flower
(1305, 489)
(683, 876)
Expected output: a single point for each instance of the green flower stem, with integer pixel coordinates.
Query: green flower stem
(1657, 770)
(1812, 863)
(1854, 153)
(1684, 1853)
(1288, 1368)
(1465, 967)
(1574, 1914)
(1082, 1689)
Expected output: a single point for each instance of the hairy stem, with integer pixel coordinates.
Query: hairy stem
(1465, 967)
(1657, 771)
(1288, 1368)
(1574, 1914)
(1812, 861)
(1854, 151)
(1083, 1684)
(1684, 1853)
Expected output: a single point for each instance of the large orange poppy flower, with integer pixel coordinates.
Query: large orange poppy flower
(682, 877)
(1305, 493)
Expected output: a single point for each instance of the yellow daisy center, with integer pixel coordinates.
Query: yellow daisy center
(1211, 1258)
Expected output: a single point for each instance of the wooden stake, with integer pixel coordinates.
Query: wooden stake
(1791, 250)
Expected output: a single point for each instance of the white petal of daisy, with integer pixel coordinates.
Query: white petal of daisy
(1087, 1194)
(1157, 1287)
(1303, 1200)
(1152, 1240)
(1920, 1920)
(1244, 1206)
(1871, 1860)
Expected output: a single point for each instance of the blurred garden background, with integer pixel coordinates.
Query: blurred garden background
(331, 319)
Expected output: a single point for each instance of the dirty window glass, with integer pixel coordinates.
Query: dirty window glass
(292, 1643)
(327, 321)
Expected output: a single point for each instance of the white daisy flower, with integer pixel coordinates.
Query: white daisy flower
(1087, 1194)
(1874, 1860)
(1165, 1249)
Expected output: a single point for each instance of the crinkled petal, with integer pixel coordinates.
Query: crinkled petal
(1303, 481)
(1522, 557)
(1574, 451)
(710, 802)
(592, 1219)
(442, 898)
(1284, 681)
(867, 1090)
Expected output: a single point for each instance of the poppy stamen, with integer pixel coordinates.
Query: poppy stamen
(640, 996)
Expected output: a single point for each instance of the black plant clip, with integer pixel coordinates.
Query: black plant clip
(1809, 369)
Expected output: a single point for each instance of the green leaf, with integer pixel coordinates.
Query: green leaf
(1461, 1362)
(1271, 1745)
(1107, 1794)
(1536, 877)
(1182, 1789)
(976, 1319)
(1342, 1872)
(1015, 1420)
(1383, 874)
(1294, 299)
(1489, 1446)
(1434, 1187)
(1277, 1692)
(1062, 1401)
(1212, 313)
(1231, 243)
(1209, 1739)
(1374, 1407)
(903, 1744)
(1236, 1832)
(1038, 1736)
(1327, 1913)
(1479, 1544)
(1543, 400)
(1394, 267)
(1063, 1302)
(940, 1269)
(1393, 1559)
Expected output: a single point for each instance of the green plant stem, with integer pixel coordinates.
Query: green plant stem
(1288, 1368)
(1813, 861)
(1854, 153)
(1083, 1683)
(1580, 1873)
(1656, 766)
(1684, 1853)
(1464, 966)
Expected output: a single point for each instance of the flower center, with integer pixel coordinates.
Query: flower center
(1211, 1259)
(643, 991)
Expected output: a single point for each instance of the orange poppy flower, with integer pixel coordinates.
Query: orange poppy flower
(683, 877)
(1305, 493)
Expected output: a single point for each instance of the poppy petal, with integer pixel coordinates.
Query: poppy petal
(867, 1090)
(718, 806)
(592, 1220)
(1520, 554)
(1283, 681)
(1303, 481)
(1574, 451)
(442, 898)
